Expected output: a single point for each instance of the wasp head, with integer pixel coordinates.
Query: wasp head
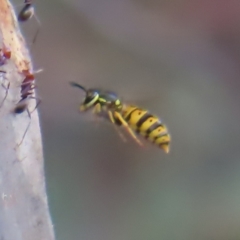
(91, 97)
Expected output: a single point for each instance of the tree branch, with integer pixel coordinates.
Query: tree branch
(23, 203)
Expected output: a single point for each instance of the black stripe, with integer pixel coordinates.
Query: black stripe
(129, 114)
(160, 137)
(143, 119)
(152, 128)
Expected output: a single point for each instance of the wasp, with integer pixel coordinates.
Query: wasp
(134, 119)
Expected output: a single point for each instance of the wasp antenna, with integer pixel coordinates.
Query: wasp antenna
(78, 85)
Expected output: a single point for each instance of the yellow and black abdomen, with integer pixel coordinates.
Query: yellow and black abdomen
(147, 125)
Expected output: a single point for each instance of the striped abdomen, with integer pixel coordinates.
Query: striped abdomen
(147, 125)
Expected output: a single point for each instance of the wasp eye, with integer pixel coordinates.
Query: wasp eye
(91, 95)
(117, 102)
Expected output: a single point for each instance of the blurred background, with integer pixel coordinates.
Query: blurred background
(178, 59)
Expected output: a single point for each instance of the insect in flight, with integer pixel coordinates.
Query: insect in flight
(134, 119)
(26, 13)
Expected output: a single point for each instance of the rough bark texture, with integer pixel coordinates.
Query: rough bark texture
(24, 211)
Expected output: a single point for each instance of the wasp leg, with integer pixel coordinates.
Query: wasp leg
(97, 108)
(118, 131)
(130, 131)
(28, 126)
(111, 117)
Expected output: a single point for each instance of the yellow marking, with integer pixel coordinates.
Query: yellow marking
(127, 127)
(165, 147)
(147, 124)
(136, 115)
(117, 102)
(163, 142)
(163, 139)
(157, 132)
(127, 110)
(89, 104)
(102, 100)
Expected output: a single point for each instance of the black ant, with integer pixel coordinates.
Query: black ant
(27, 13)
(27, 93)
(5, 54)
(5, 87)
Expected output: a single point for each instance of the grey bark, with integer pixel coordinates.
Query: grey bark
(24, 213)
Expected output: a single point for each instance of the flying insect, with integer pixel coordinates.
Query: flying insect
(108, 105)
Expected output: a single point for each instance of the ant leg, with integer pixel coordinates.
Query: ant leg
(37, 104)
(126, 126)
(30, 118)
(38, 29)
(117, 129)
(29, 75)
(6, 93)
(28, 126)
(37, 32)
(6, 88)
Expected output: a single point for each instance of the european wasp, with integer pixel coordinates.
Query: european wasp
(134, 119)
